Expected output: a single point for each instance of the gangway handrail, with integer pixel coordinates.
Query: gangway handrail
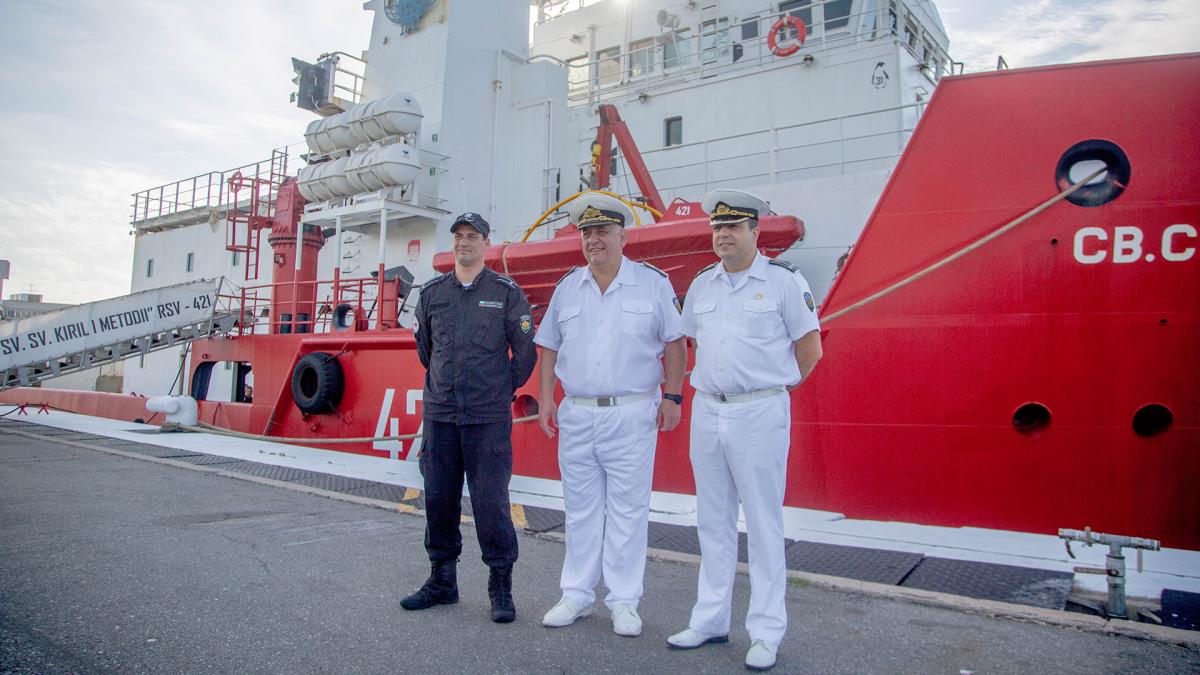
(83, 336)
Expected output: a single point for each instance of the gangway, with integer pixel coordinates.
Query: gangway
(85, 336)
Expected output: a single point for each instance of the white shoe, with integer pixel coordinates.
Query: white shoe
(761, 655)
(626, 620)
(690, 639)
(564, 614)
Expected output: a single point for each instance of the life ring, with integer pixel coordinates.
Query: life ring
(773, 37)
(317, 383)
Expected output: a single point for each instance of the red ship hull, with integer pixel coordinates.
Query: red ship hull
(1046, 380)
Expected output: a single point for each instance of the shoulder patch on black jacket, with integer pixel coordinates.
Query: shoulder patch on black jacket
(435, 281)
(564, 277)
(507, 281)
(784, 264)
(706, 269)
(662, 273)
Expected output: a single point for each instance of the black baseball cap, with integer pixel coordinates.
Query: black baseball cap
(474, 220)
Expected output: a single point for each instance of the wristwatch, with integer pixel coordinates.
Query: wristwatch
(677, 398)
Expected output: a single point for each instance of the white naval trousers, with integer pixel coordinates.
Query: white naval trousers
(739, 450)
(606, 457)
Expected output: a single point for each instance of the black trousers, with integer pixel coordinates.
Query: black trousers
(484, 453)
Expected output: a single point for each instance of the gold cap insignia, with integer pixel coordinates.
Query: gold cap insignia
(594, 216)
(726, 212)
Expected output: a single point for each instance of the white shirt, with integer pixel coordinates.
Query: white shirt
(744, 332)
(611, 344)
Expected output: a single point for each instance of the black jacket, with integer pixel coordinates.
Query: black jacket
(476, 345)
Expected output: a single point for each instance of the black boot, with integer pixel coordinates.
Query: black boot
(500, 593)
(441, 588)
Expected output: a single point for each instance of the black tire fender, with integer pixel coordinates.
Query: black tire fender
(318, 383)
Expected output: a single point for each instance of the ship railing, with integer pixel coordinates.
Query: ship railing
(203, 191)
(345, 80)
(814, 147)
(707, 49)
(343, 303)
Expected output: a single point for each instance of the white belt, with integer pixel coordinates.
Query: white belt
(747, 396)
(606, 401)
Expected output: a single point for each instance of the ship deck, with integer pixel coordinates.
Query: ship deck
(112, 563)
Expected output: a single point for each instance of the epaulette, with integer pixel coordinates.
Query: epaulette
(507, 281)
(706, 269)
(784, 264)
(662, 273)
(564, 277)
(435, 281)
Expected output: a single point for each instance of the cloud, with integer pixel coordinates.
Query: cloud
(1039, 32)
(57, 231)
(110, 98)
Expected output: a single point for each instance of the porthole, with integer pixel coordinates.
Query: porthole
(1030, 419)
(1152, 419)
(1085, 157)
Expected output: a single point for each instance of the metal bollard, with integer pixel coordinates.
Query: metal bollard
(1114, 567)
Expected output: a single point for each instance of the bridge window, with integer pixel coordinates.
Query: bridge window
(577, 75)
(714, 39)
(608, 66)
(641, 58)
(750, 28)
(235, 260)
(677, 51)
(798, 8)
(837, 14)
(150, 267)
(673, 131)
(191, 262)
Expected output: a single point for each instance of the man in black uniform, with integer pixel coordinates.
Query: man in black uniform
(475, 338)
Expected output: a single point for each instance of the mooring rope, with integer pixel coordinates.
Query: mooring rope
(966, 249)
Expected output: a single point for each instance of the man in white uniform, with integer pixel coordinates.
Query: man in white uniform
(604, 336)
(755, 327)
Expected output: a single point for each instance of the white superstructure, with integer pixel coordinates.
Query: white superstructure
(508, 91)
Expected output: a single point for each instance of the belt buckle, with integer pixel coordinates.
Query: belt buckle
(606, 401)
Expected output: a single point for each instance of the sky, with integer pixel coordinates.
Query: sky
(105, 98)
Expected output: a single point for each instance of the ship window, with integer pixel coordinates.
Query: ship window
(910, 33)
(191, 262)
(677, 50)
(150, 267)
(608, 66)
(867, 19)
(799, 8)
(235, 261)
(673, 131)
(837, 14)
(927, 53)
(714, 39)
(577, 75)
(750, 28)
(641, 58)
